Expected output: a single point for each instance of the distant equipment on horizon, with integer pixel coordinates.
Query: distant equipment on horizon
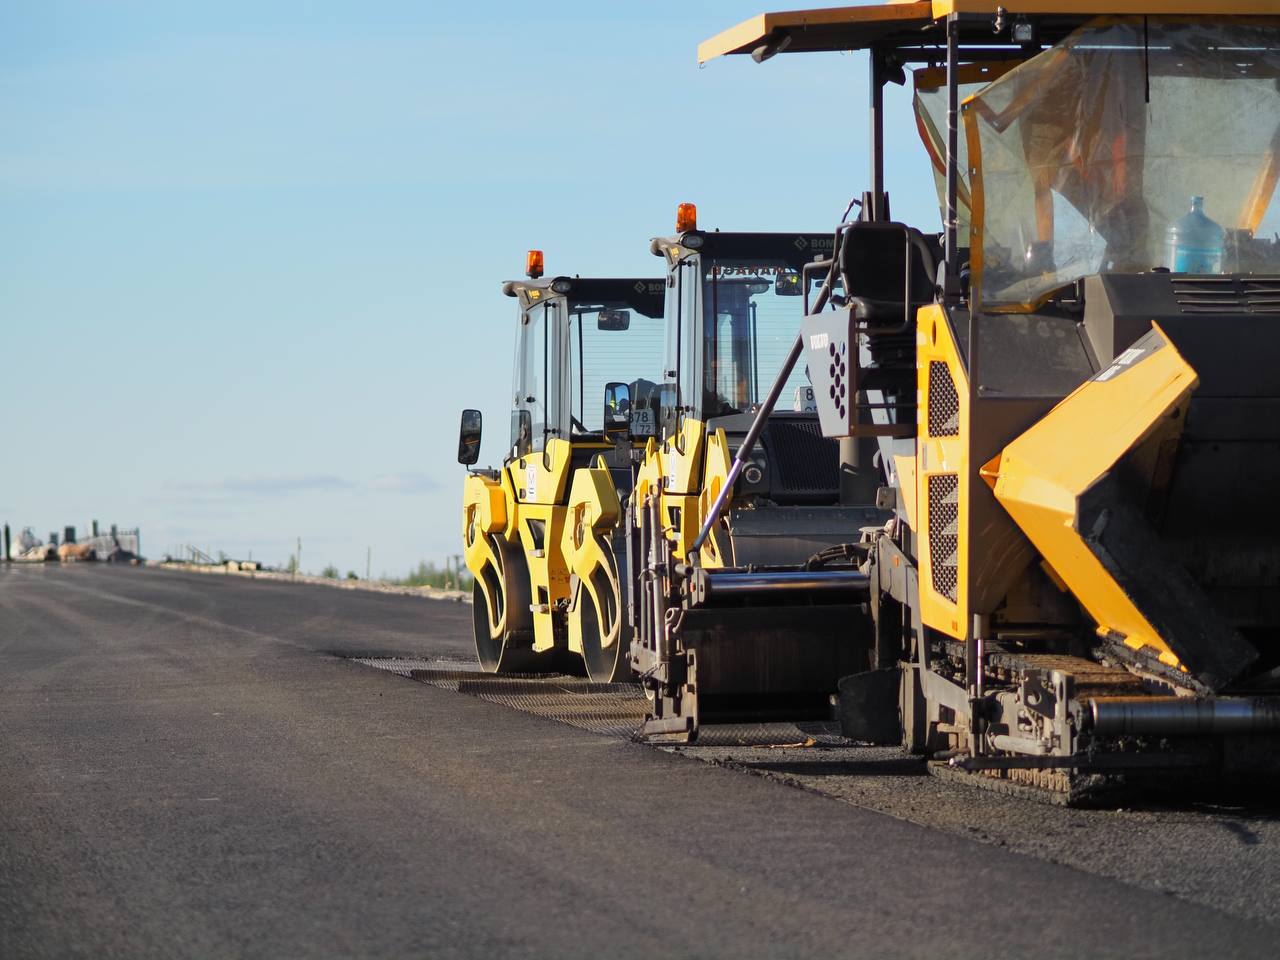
(113, 546)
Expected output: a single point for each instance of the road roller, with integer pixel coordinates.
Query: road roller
(755, 617)
(539, 531)
(1073, 387)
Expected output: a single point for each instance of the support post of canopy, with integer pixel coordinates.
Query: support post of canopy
(876, 111)
(953, 148)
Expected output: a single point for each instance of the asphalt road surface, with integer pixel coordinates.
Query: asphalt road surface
(191, 766)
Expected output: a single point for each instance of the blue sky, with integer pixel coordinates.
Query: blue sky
(251, 253)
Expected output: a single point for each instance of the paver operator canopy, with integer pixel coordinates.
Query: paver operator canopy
(1078, 161)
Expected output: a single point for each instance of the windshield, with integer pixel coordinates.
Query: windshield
(751, 320)
(1133, 145)
(611, 341)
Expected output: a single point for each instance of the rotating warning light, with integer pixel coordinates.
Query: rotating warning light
(533, 264)
(686, 217)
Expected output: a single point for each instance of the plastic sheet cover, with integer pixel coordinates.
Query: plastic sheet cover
(931, 121)
(1079, 159)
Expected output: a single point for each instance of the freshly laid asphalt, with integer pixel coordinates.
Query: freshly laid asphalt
(190, 767)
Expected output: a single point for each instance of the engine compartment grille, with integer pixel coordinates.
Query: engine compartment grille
(1231, 295)
(806, 461)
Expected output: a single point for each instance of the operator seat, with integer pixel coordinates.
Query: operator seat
(873, 267)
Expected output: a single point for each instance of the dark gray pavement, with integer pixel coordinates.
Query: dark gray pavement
(188, 768)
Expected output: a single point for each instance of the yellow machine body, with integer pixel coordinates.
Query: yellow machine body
(542, 486)
(1041, 475)
(687, 473)
(593, 514)
(941, 480)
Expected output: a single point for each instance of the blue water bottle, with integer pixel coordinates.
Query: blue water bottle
(1194, 243)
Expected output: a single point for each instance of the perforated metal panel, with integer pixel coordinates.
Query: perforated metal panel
(944, 402)
(944, 532)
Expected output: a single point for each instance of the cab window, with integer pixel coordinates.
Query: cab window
(683, 351)
(529, 419)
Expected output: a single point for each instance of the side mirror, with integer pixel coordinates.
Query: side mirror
(613, 320)
(617, 410)
(788, 285)
(469, 437)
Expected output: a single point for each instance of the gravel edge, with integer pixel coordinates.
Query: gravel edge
(372, 586)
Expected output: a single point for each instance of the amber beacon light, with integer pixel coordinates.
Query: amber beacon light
(533, 264)
(686, 217)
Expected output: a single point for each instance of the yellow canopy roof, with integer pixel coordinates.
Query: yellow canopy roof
(855, 28)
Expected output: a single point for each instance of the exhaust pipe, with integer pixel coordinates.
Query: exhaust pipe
(1184, 716)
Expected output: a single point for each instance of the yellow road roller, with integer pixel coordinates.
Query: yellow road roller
(539, 531)
(754, 617)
